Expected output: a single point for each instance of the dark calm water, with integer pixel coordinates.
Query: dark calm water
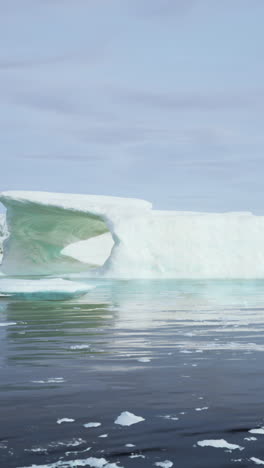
(185, 356)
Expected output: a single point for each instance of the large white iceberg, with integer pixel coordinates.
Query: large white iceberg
(126, 238)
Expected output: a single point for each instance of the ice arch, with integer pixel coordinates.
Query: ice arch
(61, 233)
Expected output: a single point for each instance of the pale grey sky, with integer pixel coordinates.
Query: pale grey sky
(155, 99)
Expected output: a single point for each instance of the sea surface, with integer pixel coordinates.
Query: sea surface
(186, 357)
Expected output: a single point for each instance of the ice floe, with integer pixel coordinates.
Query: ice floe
(7, 324)
(83, 346)
(219, 443)
(92, 424)
(49, 380)
(65, 420)
(127, 419)
(257, 461)
(258, 430)
(49, 289)
(164, 464)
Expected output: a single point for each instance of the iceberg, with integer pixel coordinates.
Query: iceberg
(3, 233)
(111, 237)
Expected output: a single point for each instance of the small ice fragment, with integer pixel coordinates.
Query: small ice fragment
(257, 461)
(112, 465)
(127, 419)
(185, 351)
(202, 409)
(144, 359)
(63, 420)
(77, 451)
(50, 380)
(136, 455)
(168, 416)
(83, 346)
(129, 445)
(219, 443)
(103, 436)
(92, 424)
(164, 464)
(259, 430)
(250, 438)
(91, 461)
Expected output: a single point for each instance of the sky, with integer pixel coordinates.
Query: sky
(155, 99)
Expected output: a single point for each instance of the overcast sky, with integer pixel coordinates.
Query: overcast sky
(154, 99)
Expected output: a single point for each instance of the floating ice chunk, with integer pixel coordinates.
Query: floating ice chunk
(127, 419)
(164, 464)
(41, 450)
(92, 424)
(144, 359)
(103, 436)
(91, 461)
(219, 443)
(50, 289)
(75, 452)
(202, 409)
(7, 324)
(129, 445)
(50, 380)
(259, 430)
(65, 420)
(136, 455)
(250, 438)
(83, 346)
(168, 416)
(257, 461)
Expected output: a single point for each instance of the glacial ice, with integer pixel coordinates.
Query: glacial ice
(53, 288)
(125, 238)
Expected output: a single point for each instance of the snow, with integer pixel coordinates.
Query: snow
(219, 443)
(46, 228)
(127, 419)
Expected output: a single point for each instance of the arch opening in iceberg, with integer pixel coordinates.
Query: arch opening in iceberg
(49, 239)
(51, 233)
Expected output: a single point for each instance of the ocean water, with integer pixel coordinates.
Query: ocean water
(184, 356)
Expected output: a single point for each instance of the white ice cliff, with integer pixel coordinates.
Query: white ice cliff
(126, 238)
